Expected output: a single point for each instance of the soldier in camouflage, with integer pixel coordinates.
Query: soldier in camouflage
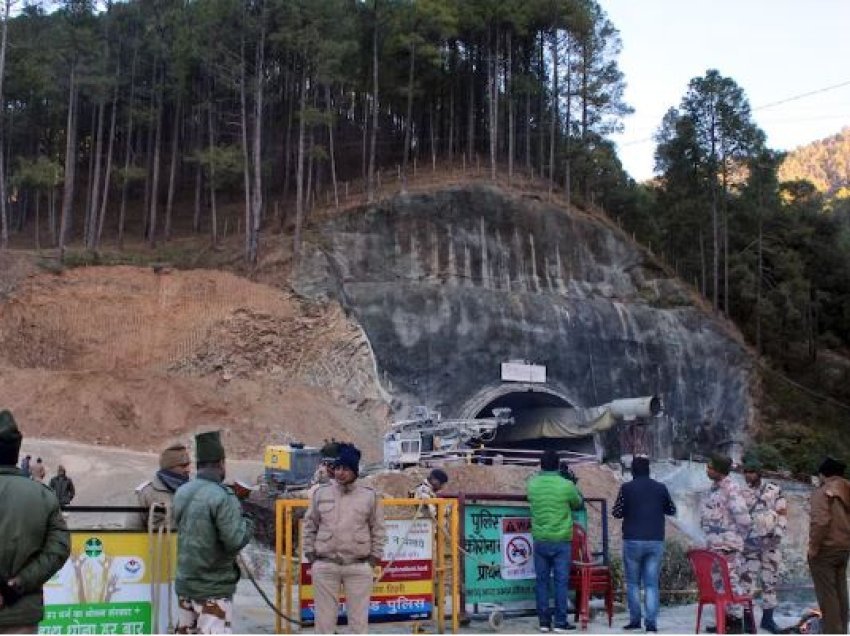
(768, 509)
(725, 520)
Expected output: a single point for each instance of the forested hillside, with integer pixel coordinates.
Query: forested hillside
(825, 164)
(146, 120)
(176, 105)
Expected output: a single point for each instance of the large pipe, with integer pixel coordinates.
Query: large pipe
(632, 408)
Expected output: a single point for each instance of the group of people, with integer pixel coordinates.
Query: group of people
(60, 483)
(344, 536)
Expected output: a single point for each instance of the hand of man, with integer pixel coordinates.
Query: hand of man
(374, 561)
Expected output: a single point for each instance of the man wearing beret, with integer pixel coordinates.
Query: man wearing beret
(34, 540)
(210, 533)
(725, 520)
(761, 555)
(344, 539)
(829, 544)
(157, 495)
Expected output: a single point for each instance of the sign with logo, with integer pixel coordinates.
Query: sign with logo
(485, 562)
(405, 591)
(105, 585)
(517, 551)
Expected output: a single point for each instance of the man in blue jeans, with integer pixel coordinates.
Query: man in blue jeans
(642, 504)
(552, 498)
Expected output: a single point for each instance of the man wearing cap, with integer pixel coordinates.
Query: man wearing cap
(344, 539)
(761, 555)
(829, 544)
(211, 531)
(725, 520)
(430, 486)
(34, 540)
(157, 495)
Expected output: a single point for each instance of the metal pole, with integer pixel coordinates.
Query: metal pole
(278, 553)
(456, 602)
(290, 555)
(441, 573)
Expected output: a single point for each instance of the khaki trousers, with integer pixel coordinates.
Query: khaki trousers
(19, 629)
(356, 579)
(829, 574)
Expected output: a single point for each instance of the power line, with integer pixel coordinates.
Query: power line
(802, 95)
(762, 107)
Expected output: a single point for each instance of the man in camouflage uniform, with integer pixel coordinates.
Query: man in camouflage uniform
(725, 520)
(768, 509)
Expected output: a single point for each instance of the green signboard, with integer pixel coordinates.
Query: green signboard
(483, 560)
(97, 618)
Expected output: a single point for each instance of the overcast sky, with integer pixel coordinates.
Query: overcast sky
(774, 49)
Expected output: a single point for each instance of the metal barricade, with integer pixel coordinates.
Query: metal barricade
(389, 603)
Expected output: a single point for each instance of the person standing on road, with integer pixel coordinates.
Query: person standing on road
(157, 495)
(344, 539)
(761, 555)
(829, 544)
(725, 520)
(34, 540)
(552, 499)
(25, 466)
(211, 531)
(62, 485)
(38, 471)
(642, 504)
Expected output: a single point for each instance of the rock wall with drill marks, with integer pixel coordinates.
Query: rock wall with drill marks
(447, 285)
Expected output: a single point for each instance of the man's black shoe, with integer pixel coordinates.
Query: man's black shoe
(632, 626)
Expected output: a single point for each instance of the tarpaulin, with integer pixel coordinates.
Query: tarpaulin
(553, 423)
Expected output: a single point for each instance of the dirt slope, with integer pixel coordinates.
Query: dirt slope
(130, 357)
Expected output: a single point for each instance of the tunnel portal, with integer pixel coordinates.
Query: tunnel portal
(528, 408)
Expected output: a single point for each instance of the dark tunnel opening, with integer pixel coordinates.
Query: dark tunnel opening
(528, 408)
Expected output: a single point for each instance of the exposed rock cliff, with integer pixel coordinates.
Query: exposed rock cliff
(448, 285)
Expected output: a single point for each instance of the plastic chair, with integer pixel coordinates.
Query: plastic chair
(588, 577)
(703, 563)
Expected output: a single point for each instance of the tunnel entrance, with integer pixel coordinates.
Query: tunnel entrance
(530, 409)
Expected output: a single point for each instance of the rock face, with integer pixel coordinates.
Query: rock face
(450, 284)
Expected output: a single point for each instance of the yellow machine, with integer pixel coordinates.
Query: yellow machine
(290, 466)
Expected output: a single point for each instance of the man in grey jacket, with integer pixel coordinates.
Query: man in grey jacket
(211, 532)
(344, 539)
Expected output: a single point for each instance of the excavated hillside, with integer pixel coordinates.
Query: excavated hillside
(133, 357)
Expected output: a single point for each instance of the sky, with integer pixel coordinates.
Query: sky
(773, 49)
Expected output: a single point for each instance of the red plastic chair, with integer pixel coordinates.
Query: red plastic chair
(703, 563)
(588, 577)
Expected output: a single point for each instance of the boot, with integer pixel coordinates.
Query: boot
(749, 623)
(767, 622)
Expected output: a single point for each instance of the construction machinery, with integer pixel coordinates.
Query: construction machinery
(290, 466)
(426, 431)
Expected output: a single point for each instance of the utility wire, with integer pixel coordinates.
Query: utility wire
(793, 98)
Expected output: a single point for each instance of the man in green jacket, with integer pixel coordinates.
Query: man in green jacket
(210, 533)
(552, 499)
(34, 540)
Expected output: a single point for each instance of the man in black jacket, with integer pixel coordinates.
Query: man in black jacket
(642, 504)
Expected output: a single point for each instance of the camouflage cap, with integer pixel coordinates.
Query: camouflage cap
(721, 464)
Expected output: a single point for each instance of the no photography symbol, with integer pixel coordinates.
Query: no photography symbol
(518, 551)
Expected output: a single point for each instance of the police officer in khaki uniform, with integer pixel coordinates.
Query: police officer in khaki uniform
(174, 470)
(344, 539)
